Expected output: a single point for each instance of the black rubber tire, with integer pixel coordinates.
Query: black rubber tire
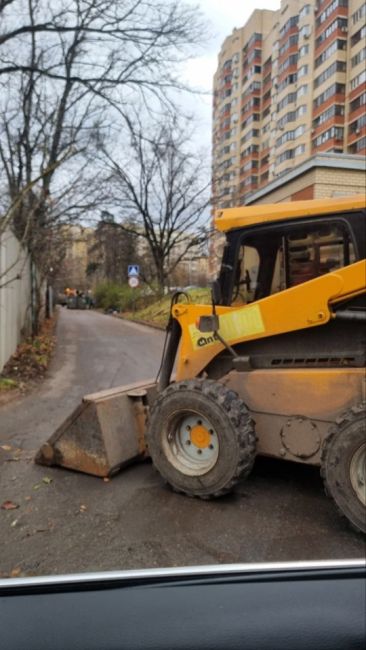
(345, 438)
(230, 419)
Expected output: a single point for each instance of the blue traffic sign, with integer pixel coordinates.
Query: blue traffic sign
(133, 270)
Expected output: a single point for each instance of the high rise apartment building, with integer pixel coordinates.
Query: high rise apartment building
(289, 84)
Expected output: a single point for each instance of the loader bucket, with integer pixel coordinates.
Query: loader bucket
(104, 433)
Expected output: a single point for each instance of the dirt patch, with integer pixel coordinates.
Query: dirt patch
(28, 365)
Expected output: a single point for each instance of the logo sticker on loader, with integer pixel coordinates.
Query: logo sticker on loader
(238, 324)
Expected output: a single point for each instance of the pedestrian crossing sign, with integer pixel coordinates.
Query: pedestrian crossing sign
(133, 270)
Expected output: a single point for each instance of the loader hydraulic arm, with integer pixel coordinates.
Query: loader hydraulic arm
(300, 307)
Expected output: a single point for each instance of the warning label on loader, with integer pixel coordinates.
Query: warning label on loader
(238, 324)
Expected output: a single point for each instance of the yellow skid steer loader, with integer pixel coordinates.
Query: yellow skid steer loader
(274, 366)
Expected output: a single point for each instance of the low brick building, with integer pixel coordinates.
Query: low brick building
(324, 175)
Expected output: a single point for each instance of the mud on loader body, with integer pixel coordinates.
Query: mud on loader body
(274, 366)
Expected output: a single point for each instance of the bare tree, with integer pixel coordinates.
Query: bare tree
(66, 70)
(120, 43)
(163, 190)
(113, 249)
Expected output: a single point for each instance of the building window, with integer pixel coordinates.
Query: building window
(254, 133)
(357, 81)
(286, 155)
(255, 37)
(360, 13)
(339, 44)
(304, 11)
(356, 38)
(300, 149)
(289, 99)
(292, 22)
(303, 71)
(253, 148)
(292, 40)
(299, 131)
(357, 125)
(332, 111)
(338, 23)
(291, 60)
(358, 102)
(305, 31)
(335, 132)
(358, 146)
(335, 89)
(290, 135)
(302, 90)
(358, 58)
(329, 10)
(337, 66)
(302, 110)
(289, 117)
(304, 50)
(290, 79)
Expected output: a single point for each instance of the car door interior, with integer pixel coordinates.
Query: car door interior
(292, 606)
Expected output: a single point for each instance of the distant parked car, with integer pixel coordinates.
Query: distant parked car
(77, 302)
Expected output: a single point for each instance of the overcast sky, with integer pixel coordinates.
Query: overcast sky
(223, 16)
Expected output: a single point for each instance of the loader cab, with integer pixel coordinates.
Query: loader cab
(267, 258)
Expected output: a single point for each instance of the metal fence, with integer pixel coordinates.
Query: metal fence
(15, 295)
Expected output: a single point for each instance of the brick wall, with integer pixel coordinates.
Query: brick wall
(318, 183)
(338, 182)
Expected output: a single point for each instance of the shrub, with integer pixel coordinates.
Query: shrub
(107, 295)
(119, 297)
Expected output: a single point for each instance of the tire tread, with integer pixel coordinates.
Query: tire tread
(342, 422)
(237, 413)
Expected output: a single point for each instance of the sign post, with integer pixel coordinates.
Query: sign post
(133, 272)
(133, 282)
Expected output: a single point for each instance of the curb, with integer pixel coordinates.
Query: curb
(138, 321)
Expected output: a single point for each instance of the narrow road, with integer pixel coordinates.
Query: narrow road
(67, 522)
(94, 352)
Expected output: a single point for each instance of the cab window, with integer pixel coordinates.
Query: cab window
(269, 263)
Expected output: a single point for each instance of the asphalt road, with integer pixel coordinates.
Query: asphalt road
(68, 522)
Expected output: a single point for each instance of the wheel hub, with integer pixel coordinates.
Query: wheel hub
(192, 444)
(358, 473)
(200, 436)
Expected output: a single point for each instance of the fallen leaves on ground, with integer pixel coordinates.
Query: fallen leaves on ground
(31, 358)
(7, 384)
(9, 505)
(6, 447)
(15, 573)
(46, 480)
